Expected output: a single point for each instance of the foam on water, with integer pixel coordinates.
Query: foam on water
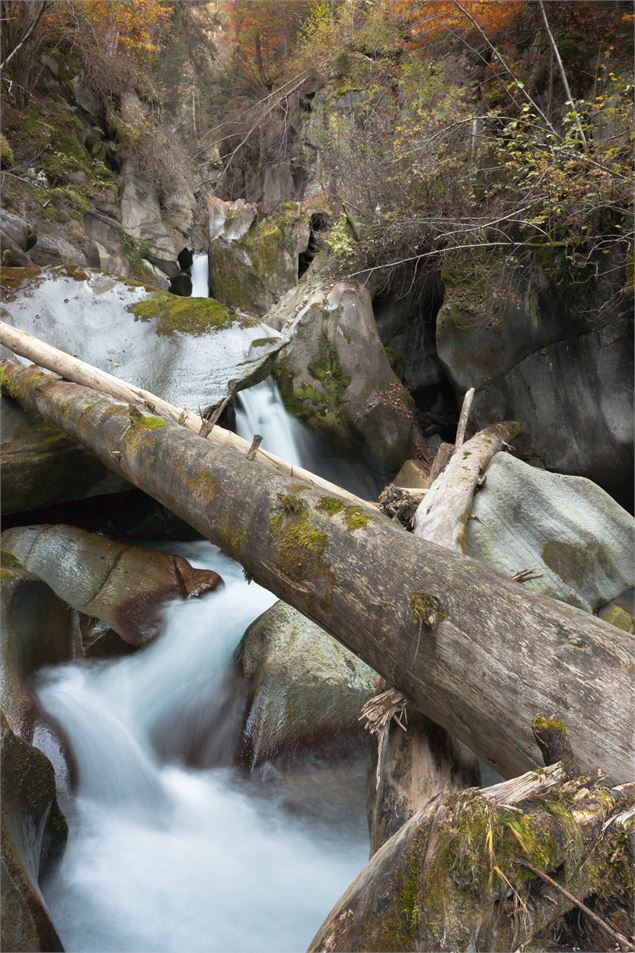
(162, 857)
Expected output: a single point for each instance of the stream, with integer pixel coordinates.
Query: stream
(164, 856)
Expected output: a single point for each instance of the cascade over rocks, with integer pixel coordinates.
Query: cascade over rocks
(304, 687)
(34, 833)
(124, 586)
(335, 373)
(564, 528)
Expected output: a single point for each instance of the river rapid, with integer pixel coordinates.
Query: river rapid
(175, 853)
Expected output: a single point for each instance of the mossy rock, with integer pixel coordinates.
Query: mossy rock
(304, 687)
(175, 314)
(29, 804)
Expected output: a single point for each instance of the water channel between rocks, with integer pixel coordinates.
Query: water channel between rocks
(164, 857)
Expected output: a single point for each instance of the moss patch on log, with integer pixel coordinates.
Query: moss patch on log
(300, 545)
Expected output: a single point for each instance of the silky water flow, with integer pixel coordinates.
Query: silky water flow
(163, 856)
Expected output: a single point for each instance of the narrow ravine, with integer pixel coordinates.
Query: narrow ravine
(165, 857)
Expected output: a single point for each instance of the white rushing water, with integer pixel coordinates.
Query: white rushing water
(166, 857)
(200, 281)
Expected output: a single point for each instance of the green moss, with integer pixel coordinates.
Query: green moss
(175, 314)
(428, 609)
(6, 153)
(616, 615)
(547, 724)
(355, 518)
(9, 561)
(147, 423)
(203, 485)
(300, 545)
(330, 505)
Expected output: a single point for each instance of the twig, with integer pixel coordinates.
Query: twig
(28, 33)
(255, 443)
(619, 938)
(563, 75)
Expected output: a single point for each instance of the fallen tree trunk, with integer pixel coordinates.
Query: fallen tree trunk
(495, 869)
(72, 369)
(473, 650)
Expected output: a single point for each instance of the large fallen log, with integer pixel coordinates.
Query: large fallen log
(497, 869)
(473, 650)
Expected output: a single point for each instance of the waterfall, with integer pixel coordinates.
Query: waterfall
(200, 276)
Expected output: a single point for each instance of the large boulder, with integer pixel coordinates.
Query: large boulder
(335, 373)
(41, 466)
(253, 263)
(554, 354)
(304, 687)
(34, 833)
(192, 352)
(566, 528)
(124, 586)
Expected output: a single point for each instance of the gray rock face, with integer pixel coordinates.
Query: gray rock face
(304, 686)
(124, 586)
(34, 833)
(559, 359)
(335, 372)
(141, 213)
(17, 236)
(252, 264)
(41, 466)
(565, 527)
(192, 352)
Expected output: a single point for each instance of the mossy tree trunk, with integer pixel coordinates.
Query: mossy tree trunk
(494, 869)
(489, 659)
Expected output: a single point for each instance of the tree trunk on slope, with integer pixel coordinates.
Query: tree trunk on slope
(471, 649)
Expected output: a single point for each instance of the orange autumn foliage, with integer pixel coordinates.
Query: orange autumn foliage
(428, 19)
(135, 24)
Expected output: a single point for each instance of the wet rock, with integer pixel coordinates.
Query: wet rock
(124, 586)
(304, 687)
(34, 833)
(181, 285)
(41, 466)
(335, 373)
(36, 630)
(192, 352)
(556, 355)
(566, 528)
(185, 259)
(253, 263)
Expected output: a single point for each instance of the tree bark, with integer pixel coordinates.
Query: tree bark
(472, 650)
(493, 870)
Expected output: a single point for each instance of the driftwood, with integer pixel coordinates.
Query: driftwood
(401, 503)
(443, 513)
(72, 369)
(495, 869)
(471, 649)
